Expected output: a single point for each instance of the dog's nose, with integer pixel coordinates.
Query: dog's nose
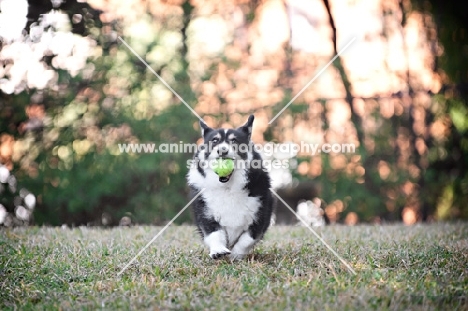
(223, 150)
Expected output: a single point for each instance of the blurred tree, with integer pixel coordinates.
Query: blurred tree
(451, 186)
(73, 162)
(403, 163)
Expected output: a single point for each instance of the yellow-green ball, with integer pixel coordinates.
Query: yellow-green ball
(223, 167)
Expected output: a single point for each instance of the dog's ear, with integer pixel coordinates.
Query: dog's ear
(205, 129)
(247, 127)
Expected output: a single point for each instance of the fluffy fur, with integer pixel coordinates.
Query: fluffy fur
(233, 213)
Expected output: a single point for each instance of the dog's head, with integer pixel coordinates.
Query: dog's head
(227, 143)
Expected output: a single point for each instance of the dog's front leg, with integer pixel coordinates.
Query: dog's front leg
(242, 247)
(213, 235)
(217, 242)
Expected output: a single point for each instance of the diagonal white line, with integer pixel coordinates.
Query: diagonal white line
(315, 233)
(313, 79)
(159, 233)
(161, 79)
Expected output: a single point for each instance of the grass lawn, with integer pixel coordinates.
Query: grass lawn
(423, 267)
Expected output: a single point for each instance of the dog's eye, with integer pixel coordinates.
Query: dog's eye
(233, 140)
(215, 140)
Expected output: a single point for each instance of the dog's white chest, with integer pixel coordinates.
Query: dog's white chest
(231, 208)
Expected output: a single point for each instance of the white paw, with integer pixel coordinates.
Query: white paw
(219, 251)
(243, 247)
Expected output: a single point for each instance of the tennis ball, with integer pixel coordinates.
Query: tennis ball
(223, 167)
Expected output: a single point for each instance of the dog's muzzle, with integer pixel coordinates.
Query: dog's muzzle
(226, 178)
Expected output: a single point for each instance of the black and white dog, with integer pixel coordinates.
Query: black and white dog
(233, 212)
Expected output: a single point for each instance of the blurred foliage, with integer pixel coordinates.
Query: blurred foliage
(432, 185)
(448, 173)
(73, 165)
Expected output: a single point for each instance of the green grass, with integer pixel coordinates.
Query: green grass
(422, 267)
